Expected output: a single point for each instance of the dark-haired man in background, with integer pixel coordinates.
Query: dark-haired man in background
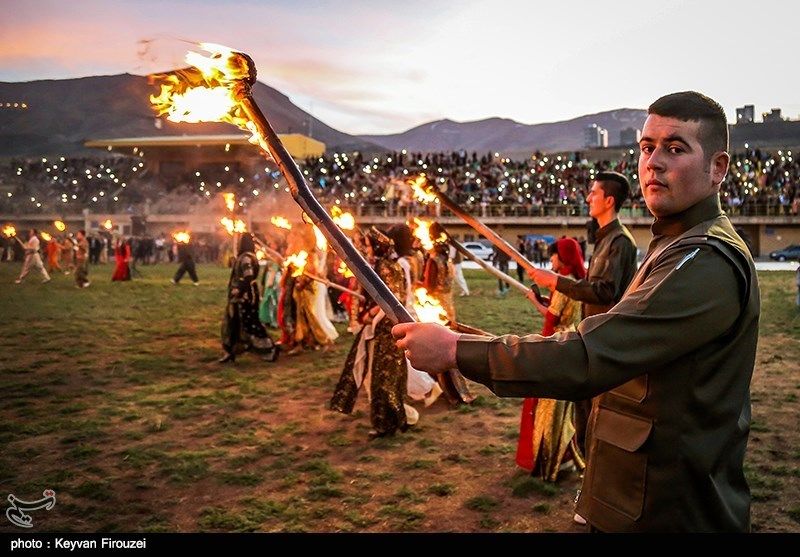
(672, 361)
(611, 269)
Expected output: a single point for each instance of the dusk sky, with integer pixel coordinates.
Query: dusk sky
(383, 67)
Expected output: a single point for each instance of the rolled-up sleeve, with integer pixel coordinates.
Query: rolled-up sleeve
(675, 311)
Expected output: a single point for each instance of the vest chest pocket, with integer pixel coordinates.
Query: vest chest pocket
(598, 266)
(620, 465)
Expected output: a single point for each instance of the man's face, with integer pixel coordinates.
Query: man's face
(598, 202)
(674, 173)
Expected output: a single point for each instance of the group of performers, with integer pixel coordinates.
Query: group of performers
(270, 287)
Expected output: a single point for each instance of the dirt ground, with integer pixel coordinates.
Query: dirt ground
(114, 399)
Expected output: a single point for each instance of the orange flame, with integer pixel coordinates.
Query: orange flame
(9, 231)
(281, 222)
(322, 242)
(209, 91)
(182, 237)
(107, 224)
(343, 220)
(422, 232)
(45, 236)
(428, 308)
(344, 270)
(60, 226)
(298, 261)
(230, 200)
(421, 190)
(260, 255)
(233, 226)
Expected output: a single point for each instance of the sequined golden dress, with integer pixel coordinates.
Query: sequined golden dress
(547, 426)
(375, 362)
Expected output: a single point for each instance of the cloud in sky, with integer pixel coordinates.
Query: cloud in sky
(382, 67)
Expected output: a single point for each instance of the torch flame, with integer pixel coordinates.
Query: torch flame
(260, 255)
(209, 91)
(428, 308)
(60, 226)
(343, 220)
(281, 222)
(230, 200)
(107, 224)
(182, 237)
(298, 260)
(9, 231)
(423, 233)
(344, 270)
(419, 186)
(233, 226)
(45, 236)
(322, 242)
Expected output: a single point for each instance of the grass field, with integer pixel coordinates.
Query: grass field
(112, 397)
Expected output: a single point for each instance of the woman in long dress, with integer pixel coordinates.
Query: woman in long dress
(122, 255)
(547, 427)
(241, 329)
(374, 361)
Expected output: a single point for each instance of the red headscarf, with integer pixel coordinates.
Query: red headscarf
(569, 253)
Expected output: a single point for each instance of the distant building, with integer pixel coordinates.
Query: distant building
(746, 114)
(595, 136)
(773, 115)
(630, 136)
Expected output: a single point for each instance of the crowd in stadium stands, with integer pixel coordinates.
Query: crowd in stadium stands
(758, 183)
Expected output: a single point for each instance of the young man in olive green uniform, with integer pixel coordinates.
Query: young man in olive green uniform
(611, 269)
(672, 360)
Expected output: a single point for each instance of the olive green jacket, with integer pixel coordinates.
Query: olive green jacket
(673, 361)
(611, 269)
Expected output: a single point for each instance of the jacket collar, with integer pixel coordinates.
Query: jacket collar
(673, 225)
(606, 230)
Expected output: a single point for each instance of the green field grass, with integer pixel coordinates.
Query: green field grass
(113, 398)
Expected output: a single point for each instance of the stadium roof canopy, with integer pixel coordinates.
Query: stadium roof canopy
(234, 146)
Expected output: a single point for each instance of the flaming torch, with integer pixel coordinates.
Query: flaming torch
(281, 222)
(10, 232)
(422, 231)
(218, 89)
(45, 236)
(298, 261)
(182, 237)
(60, 226)
(430, 310)
(343, 220)
(230, 200)
(426, 190)
(233, 226)
(107, 224)
(344, 271)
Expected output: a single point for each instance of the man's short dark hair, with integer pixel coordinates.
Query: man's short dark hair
(82, 231)
(691, 106)
(615, 185)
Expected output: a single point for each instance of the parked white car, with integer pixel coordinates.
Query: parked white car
(478, 249)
